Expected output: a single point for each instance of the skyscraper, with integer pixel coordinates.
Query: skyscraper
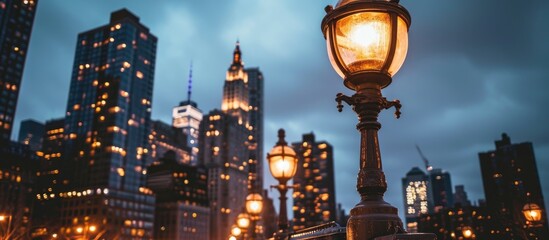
(441, 188)
(52, 178)
(314, 197)
(164, 138)
(107, 127)
(255, 95)
(224, 151)
(31, 133)
(187, 117)
(182, 209)
(235, 90)
(417, 197)
(511, 181)
(16, 21)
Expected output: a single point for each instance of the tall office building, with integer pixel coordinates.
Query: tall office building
(441, 189)
(182, 209)
(107, 128)
(314, 198)
(417, 197)
(255, 96)
(16, 21)
(224, 151)
(52, 178)
(187, 117)
(235, 90)
(31, 133)
(164, 138)
(511, 181)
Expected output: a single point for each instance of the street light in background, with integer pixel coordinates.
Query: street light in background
(282, 165)
(254, 207)
(467, 232)
(367, 42)
(532, 212)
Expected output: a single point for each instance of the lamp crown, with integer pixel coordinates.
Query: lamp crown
(281, 136)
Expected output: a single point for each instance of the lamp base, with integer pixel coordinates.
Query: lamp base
(373, 218)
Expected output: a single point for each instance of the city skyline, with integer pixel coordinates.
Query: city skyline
(461, 85)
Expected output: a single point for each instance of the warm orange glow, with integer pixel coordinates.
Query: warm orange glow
(236, 231)
(92, 228)
(363, 42)
(532, 212)
(254, 203)
(467, 232)
(243, 221)
(282, 162)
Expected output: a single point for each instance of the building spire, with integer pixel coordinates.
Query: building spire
(190, 83)
(237, 55)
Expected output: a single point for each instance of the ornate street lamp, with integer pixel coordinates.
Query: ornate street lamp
(243, 221)
(532, 212)
(283, 165)
(367, 41)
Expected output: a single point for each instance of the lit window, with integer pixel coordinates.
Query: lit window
(139, 75)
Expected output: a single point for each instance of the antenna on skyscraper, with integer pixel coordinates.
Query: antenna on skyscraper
(190, 84)
(425, 160)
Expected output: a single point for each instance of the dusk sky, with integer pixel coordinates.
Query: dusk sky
(474, 70)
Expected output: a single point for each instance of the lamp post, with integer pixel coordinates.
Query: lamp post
(282, 165)
(367, 42)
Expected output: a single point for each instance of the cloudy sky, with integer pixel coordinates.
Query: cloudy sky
(474, 70)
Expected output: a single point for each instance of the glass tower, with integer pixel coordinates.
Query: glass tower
(16, 20)
(107, 126)
(314, 198)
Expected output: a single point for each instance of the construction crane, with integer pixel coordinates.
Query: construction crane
(425, 160)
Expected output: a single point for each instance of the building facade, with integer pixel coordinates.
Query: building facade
(460, 222)
(417, 197)
(31, 133)
(106, 130)
(511, 181)
(256, 95)
(314, 196)
(224, 151)
(164, 138)
(17, 179)
(16, 21)
(182, 209)
(441, 189)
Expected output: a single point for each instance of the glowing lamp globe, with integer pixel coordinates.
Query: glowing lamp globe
(532, 212)
(254, 204)
(366, 40)
(282, 163)
(243, 221)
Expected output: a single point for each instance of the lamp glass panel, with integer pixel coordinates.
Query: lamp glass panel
(401, 47)
(282, 162)
(254, 204)
(363, 40)
(331, 53)
(243, 221)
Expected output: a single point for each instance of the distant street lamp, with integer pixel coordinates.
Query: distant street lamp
(254, 207)
(532, 212)
(283, 165)
(467, 232)
(367, 42)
